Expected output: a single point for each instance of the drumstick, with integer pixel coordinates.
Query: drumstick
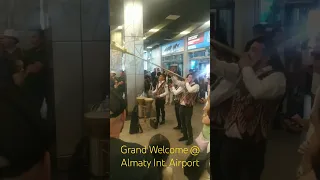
(116, 47)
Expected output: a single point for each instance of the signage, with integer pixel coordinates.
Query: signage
(197, 41)
(174, 47)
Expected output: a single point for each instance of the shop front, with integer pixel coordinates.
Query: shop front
(199, 52)
(172, 56)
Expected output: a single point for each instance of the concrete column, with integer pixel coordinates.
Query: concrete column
(80, 50)
(133, 42)
(116, 56)
(246, 16)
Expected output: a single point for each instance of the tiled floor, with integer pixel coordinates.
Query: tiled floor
(281, 158)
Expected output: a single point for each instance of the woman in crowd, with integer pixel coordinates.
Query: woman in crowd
(160, 141)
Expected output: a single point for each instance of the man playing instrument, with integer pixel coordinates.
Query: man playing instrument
(259, 91)
(177, 92)
(187, 101)
(160, 93)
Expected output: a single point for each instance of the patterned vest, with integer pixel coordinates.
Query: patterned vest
(161, 90)
(220, 113)
(189, 98)
(252, 116)
(177, 97)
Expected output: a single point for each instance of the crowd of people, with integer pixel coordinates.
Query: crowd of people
(247, 97)
(25, 137)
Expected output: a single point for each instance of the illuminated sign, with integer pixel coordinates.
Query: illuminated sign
(174, 47)
(197, 41)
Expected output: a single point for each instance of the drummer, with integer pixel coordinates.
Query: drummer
(160, 93)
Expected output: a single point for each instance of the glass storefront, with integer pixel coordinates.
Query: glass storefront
(199, 53)
(173, 61)
(172, 56)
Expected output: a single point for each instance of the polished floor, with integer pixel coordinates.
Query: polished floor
(282, 158)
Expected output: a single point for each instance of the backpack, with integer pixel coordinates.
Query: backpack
(135, 126)
(80, 160)
(195, 172)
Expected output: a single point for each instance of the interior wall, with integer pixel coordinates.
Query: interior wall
(156, 58)
(80, 50)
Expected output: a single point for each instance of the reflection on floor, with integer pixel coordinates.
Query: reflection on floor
(282, 158)
(168, 131)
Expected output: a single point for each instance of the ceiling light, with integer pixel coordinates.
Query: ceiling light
(172, 17)
(149, 47)
(144, 38)
(184, 32)
(119, 27)
(207, 23)
(167, 39)
(153, 30)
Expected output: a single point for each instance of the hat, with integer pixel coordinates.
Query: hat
(11, 33)
(113, 72)
(22, 137)
(117, 104)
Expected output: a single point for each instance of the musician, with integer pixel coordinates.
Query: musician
(177, 92)
(259, 92)
(160, 93)
(187, 102)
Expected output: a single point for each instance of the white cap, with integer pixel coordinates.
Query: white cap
(113, 72)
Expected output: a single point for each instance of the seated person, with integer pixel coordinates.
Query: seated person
(24, 141)
(158, 140)
(122, 165)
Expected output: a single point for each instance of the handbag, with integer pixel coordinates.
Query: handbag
(202, 142)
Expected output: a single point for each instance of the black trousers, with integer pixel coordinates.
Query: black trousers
(160, 108)
(242, 159)
(176, 108)
(185, 114)
(216, 142)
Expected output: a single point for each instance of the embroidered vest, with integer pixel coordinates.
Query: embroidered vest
(161, 90)
(189, 98)
(177, 97)
(252, 116)
(220, 113)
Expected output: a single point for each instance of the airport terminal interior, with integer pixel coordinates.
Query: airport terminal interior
(162, 57)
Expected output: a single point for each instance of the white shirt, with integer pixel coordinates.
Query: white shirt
(190, 88)
(177, 91)
(166, 91)
(269, 87)
(222, 92)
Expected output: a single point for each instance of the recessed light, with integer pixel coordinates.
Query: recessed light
(153, 30)
(149, 47)
(184, 32)
(119, 27)
(172, 17)
(167, 39)
(144, 38)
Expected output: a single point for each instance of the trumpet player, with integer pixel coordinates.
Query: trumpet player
(187, 101)
(160, 93)
(259, 91)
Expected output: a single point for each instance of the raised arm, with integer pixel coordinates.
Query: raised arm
(229, 71)
(272, 86)
(177, 82)
(192, 89)
(177, 91)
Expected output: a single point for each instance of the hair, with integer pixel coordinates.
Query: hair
(159, 141)
(259, 29)
(190, 74)
(158, 73)
(163, 75)
(274, 58)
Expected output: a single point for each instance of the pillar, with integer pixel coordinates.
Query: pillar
(80, 52)
(246, 16)
(116, 56)
(133, 42)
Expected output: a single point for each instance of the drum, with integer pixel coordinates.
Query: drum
(141, 101)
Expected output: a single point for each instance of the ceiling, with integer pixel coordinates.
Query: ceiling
(193, 13)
